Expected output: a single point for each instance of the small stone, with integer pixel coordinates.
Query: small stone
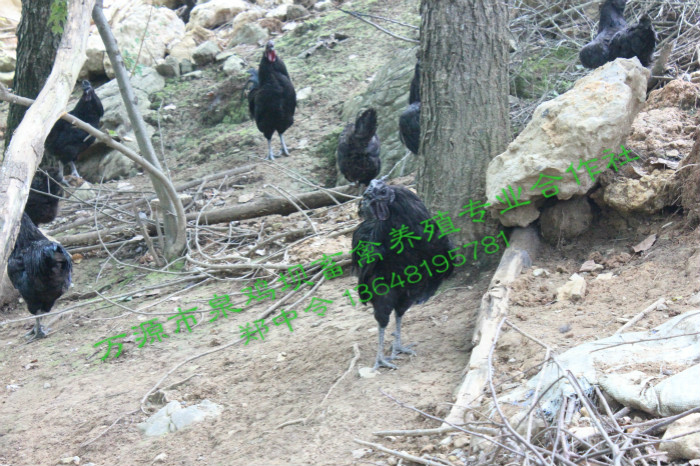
(604, 276)
(428, 449)
(453, 458)
(221, 56)
(70, 460)
(573, 290)
(304, 93)
(564, 328)
(392, 461)
(169, 68)
(360, 453)
(193, 75)
(694, 300)
(540, 272)
(281, 357)
(160, 458)
(446, 441)
(367, 373)
(590, 266)
(460, 441)
(47, 385)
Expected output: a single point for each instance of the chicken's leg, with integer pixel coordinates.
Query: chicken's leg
(74, 173)
(381, 360)
(37, 331)
(283, 150)
(270, 155)
(397, 348)
(61, 179)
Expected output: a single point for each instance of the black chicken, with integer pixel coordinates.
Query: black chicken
(615, 39)
(409, 121)
(40, 270)
(387, 208)
(65, 141)
(274, 101)
(358, 149)
(635, 41)
(42, 203)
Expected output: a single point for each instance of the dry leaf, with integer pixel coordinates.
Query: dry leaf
(646, 244)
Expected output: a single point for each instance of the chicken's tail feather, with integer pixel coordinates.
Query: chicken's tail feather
(366, 126)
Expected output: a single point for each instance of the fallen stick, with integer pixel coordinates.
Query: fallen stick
(656, 305)
(139, 202)
(262, 208)
(494, 307)
(399, 454)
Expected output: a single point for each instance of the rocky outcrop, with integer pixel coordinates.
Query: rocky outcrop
(593, 117)
(216, 12)
(99, 161)
(146, 36)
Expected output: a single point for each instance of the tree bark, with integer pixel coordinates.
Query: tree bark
(27, 146)
(464, 104)
(36, 51)
(174, 214)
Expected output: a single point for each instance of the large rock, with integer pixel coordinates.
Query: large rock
(388, 94)
(234, 65)
(648, 195)
(685, 447)
(7, 78)
(296, 12)
(115, 117)
(279, 12)
(8, 60)
(215, 13)
(594, 116)
(246, 17)
(249, 33)
(566, 220)
(111, 166)
(665, 127)
(11, 9)
(94, 65)
(147, 40)
(100, 161)
(194, 36)
(205, 53)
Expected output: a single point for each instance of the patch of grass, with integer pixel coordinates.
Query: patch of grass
(539, 75)
(326, 155)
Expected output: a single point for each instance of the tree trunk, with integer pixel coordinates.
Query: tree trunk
(36, 51)
(27, 146)
(464, 105)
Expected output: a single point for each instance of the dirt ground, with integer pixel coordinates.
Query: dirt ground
(58, 399)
